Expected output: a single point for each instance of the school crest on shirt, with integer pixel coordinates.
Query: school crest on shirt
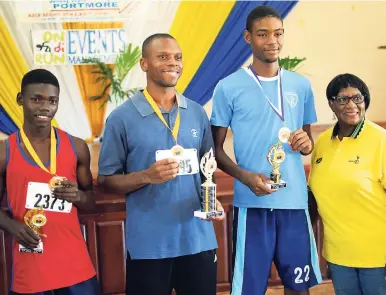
(194, 132)
(291, 98)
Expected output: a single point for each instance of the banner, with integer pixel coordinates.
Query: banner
(71, 47)
(54, 11)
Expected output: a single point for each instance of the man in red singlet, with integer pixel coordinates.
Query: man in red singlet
(53, 258)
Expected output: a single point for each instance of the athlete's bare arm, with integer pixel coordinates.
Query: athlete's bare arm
(312, 207)
(255, 181)
(21, 232)
(159, 172)
(301, 140)
(81, 194)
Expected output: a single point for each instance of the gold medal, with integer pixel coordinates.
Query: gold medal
(177, 150)
(56, 182)
(284, 134)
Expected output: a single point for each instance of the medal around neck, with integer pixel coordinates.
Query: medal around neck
(177, 150)
(35, 219)
(276, 157)
(56, 182)
(208, 210)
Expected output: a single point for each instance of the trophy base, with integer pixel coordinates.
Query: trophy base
(276, 186)
(207, 215)
(37, 250)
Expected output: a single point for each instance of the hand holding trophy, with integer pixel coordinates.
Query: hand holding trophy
(209, 208)
(276, 157)
(34, 219)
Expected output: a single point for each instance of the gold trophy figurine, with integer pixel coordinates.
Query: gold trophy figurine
(276, 157)
(35, 219)
(208, 166)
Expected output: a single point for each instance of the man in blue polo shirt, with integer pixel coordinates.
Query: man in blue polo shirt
(269, 111)
(167, 247)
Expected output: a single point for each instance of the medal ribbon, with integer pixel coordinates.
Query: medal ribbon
(280, 111)
(35, 156)
(161, 117)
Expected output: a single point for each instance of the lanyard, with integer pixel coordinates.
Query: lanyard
(280, 111)
(161, 117)
(35, 156)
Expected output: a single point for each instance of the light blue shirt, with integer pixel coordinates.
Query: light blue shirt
(240, 103)
(159, 217)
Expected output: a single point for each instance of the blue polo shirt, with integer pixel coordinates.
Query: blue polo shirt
(239, 102)
(159, 217)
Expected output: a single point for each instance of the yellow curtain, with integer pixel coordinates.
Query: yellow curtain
(12, 68)
(205, 20)
(86, 81)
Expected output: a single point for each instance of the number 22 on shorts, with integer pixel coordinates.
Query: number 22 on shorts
(302, 273)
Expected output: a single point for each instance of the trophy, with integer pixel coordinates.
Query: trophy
(35, 219)
(275, 157)
(208, 166)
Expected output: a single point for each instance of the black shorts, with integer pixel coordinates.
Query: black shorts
(188, 275)
(89, 287)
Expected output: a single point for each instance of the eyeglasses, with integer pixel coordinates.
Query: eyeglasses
(343, 100)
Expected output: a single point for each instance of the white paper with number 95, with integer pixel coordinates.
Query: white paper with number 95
(188, 160)
(39, 195)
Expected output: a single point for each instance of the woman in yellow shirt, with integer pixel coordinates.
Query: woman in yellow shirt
(348, 180)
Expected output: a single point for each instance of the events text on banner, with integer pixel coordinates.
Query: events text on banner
(72, 47)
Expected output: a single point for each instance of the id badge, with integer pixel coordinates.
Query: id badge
(188, 160)
(39, 196)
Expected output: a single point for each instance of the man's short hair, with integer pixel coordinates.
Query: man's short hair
(261, 12)
(149, 39)
(39, 76)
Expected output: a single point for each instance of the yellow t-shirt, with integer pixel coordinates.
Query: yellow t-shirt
(348, 179)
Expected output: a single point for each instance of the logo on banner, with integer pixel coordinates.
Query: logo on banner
(72, 47)
(49, 47)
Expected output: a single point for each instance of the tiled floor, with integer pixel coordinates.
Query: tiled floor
(325, 289)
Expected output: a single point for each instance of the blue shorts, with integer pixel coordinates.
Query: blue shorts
(89, 287)
(285, 237)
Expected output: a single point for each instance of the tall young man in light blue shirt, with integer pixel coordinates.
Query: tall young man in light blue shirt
(258, 103)
(167, 247)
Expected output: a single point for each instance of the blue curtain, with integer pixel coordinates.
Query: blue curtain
(229, 51)
(6, 124)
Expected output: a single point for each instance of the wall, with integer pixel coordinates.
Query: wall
(336, 37)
